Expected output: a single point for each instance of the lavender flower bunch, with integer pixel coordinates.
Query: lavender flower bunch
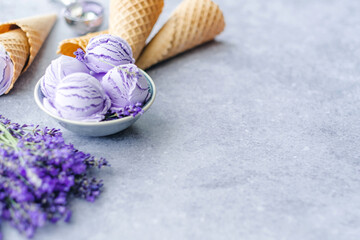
(131, 110)
(39, 173)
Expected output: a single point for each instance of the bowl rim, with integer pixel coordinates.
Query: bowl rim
(68, 16)
(111, 122)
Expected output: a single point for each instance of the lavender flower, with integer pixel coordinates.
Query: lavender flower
(131, 110)
(38, 174)
(80, 54)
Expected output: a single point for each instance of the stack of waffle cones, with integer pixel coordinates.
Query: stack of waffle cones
(22, 39)
(194, 22)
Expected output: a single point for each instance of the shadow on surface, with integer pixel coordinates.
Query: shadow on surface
(213, 45)
(129, 133)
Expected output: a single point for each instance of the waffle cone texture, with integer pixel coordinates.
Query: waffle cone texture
(193, 22)
(134, 20)
(69, 46)
(23, 38)
(16, 44)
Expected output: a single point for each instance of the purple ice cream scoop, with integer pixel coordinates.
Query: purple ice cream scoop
(98, 76)
(6, 70)
(58, 70)
(125, 86)
(107, 51)
(80, 97)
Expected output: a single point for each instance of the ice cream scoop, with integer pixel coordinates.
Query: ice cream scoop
(6, 70)
(80, 97)
(107, 51)
(58, 70)
(98, 76)
(125, 86)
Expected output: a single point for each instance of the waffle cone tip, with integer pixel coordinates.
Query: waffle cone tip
(23, 39)
(191, 24)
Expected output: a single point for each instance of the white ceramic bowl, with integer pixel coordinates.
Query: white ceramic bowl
(96, 129)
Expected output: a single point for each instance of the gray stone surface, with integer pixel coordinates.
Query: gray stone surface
(252, 136)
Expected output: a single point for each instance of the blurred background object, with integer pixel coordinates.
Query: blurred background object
(64, 2)
(82, 16)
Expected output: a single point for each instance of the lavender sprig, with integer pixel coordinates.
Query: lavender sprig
(80, 55)
(131, 110)
(38, 174)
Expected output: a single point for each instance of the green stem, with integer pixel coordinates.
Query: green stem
(107, 63)
(4, 141)
(9, 137)
(11, 140)
(17, 206)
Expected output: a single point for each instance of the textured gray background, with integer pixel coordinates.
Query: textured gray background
(253, 136)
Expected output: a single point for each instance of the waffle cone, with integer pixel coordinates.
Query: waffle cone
(193, 22)
(36, 30)
(133, 21)
(69, 46)
(16, 44)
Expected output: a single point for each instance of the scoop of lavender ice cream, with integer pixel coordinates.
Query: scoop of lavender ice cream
(57, 70)
(125, 86)
(80, 97)
(107, 51)
(98, 76)
(6, 70)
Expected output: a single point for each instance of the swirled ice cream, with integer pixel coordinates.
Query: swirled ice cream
(125, 86)
(107, 51)
(98, 76)
(58, 70)
(80, 97)
(6, 70)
